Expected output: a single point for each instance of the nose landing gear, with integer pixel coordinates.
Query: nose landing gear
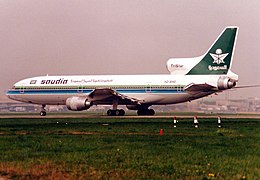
(43, 110)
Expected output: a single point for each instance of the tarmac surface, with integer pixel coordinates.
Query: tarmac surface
(87, 115)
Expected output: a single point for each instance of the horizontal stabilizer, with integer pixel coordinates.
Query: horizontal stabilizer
(247, 86)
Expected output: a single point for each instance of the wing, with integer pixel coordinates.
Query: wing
(198, 88)
(108, 96)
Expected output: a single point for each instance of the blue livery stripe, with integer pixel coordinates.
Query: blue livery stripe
(87, 91)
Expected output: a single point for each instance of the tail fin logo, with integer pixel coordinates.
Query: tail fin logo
(218, 57)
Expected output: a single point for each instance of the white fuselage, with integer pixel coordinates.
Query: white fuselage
(150, 89)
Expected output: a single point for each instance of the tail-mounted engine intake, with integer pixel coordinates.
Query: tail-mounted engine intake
(78, 103)
(226, 83)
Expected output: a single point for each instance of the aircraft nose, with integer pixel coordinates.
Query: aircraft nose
(9, 95)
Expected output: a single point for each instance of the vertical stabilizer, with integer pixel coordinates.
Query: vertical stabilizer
(218, 59)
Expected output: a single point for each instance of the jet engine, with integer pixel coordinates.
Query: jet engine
(226, 83)
(76, 103)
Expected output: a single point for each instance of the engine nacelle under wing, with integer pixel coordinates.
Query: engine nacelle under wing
(76, 103)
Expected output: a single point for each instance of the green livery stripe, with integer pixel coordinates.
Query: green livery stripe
(218, 59)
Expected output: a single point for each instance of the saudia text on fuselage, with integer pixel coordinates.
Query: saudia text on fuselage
(53, 81)
(216, 68)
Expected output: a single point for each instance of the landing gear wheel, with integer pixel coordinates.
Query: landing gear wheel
(117, 112)
(121, 112)
(43, 113)
(151, 112)
(110, 112)
(140, 112)
(145, 112)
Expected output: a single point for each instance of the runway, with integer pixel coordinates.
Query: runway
(101, 116)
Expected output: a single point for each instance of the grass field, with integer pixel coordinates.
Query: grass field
(114, 148)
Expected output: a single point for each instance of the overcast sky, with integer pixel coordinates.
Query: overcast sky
(60, 37)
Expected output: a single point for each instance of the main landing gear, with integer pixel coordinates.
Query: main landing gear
(116, 112)
(43, 110)
(145, 112)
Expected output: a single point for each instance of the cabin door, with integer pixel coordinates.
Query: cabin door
(148, 88)
(22, 89)
(80, 89)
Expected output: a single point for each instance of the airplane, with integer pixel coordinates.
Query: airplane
(189, 79)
